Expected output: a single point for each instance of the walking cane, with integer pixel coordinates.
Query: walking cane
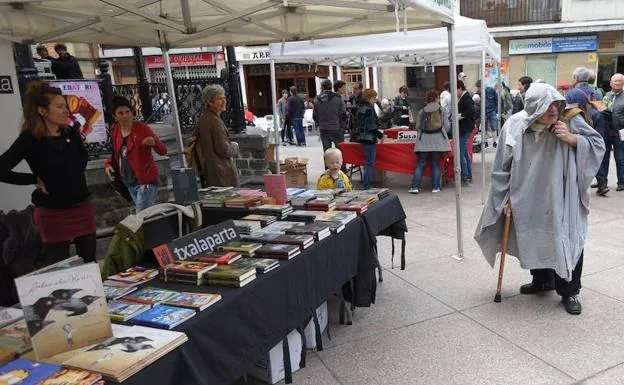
(499, 286)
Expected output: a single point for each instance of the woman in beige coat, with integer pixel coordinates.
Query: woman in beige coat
(219, 166)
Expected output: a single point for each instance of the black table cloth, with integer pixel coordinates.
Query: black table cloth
(247, 322)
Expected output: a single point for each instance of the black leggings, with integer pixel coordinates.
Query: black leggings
(85, 248)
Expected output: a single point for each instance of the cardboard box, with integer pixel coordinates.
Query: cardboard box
(310, 329)
(271, 369)
(296, 178)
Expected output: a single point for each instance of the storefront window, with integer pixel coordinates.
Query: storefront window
(351, 78)
(542, 67)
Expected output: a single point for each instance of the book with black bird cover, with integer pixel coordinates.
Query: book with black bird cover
(128, 351)
(64, 309)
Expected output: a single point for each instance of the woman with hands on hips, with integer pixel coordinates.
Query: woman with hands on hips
(57, 159)
(133, 143)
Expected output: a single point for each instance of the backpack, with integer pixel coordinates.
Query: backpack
(431, 122)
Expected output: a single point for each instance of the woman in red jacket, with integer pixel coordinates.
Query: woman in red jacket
(132, 155)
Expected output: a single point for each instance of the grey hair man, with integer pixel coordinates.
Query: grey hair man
(545, 162)
(614, 100)
(330, 115)
(581, 77)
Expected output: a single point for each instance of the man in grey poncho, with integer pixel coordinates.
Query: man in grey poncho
(544, 167)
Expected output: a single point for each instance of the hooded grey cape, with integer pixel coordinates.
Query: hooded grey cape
(547, 182)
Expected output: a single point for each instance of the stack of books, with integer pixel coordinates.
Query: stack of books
(128, 351)
(247, 249)
(230, 275)
(185, 272)
(246, 227)
(380, 192)
(262, 265)
(219, 257)
(279, 251)
(292, 192)
(302, 240)
(132, 277)
(163, 317)
(321, 204)
(318, 230)
(280, 227)
(195, 301)
(122, 311)
(150, 296)
(264, 220)
(262, 236)
(337, 220)
(217, 199)
(73, 377)
(298, 202)
(357, 206)
(343, 199)
(244, 202)
(304, 215)
(280, 211)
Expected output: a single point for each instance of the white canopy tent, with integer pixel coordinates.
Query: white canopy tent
(193, 23)
(432, 46)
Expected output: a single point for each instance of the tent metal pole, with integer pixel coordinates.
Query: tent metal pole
(276, 122)
(483, 127)
(172, 98)
(338, 73)
(331, 73)
(450, 28)
(499, 97)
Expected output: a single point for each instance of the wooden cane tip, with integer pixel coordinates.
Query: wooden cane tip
(497, 298)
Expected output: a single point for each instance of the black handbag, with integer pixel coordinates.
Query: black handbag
(118, 185)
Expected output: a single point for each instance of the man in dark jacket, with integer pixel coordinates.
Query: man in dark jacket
(523, 85)
(465, 108)
(295, 111)
(66, 66)
(329, 115)
(352, 107)
(491, 112)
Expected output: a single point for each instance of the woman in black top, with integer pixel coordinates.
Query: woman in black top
(57, 157)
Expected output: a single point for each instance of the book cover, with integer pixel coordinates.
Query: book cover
(15, 336)
(8, 315)
(26, 372)
(64, 264)
(220, 257)
(6, 355)
(262, 265)
(228, 283)
(230, 272)
(122, 311)
(64, 309)
(311, 228)
(130, 349)
(163, 316)
(280, 250)
(196, 301)
(337, 216)
(72, 377)
(262, 236)
(134, 275)
(275, 187)
(150, 295)
(302, 240)
(113, 292)
(243, 247)
(194, 268)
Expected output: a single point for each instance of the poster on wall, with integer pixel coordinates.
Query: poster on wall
(85, 105)
(491, 73)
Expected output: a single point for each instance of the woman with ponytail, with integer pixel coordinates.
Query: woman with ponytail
(57, 158)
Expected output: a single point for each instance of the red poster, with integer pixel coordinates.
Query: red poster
(192, 59)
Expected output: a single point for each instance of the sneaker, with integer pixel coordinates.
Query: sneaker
(413, 191)
(620, 187)
(595, 185)
(435, 190)
(486, 144)
(602, 191)
(572, 304)
(494, 144)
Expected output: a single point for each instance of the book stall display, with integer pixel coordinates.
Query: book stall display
(74, 326)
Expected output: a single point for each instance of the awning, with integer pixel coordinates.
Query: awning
(193, 23)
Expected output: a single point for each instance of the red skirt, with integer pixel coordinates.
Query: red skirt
(61, 225)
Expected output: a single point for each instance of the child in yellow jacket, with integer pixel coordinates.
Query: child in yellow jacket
(333, 177)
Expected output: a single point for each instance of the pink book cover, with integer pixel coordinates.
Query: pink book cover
(275, 187)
